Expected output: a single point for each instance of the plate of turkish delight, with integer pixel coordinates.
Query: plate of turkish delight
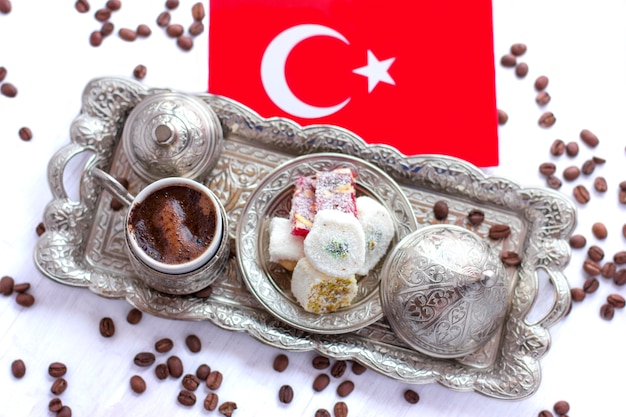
(313, 237)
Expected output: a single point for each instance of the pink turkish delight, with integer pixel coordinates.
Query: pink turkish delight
(336, 190)
(303, 206)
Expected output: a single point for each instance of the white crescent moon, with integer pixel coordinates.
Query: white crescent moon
(273, 71)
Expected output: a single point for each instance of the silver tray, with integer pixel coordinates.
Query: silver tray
(84, 245)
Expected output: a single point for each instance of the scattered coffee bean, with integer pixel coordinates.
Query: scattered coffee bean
(321, 382)
(95, 39)
(561, 407)
(164, 345)
(616, 300)
(591, 285)
(3, 73)
(55, 404)
(588, 167)
(175, 30)
(620, 257)
(175, 366)
(197, 11)
(191, 382)
(186, 398)
(518, 49)
(508, 60)
(595, 253)
(503, 117)
(581, 194)
(134, 316)
(21, 287)
(193, 343)
(144, 359)
(210, 401)
(40, 229)
(607, 311)
(58, 386)
(411, 396)
(25, 299)
(25, 134)
(600, 185)
(322, 412)
(553, 182)
(547, 168)
(476, 217)
(65, 411)
(82, 6)
(285, 394)
(102, 15)
(620, 277)
(557, 148)
(340, 409)
(143, 31)
(107, 327)
(571, 173)
(591, 267)
(622, 186)
(8, 90)
(338, 368)
(608, 270)
(358, 369)
(171, 4)
(161, 371)
(599, 230)
(106, 29)
(280, 362)
(140, 72)
(57, 369)
(521, 70)
(164, 19)
(345, 388)
(18, 368)
(510, 258)
(227, 408)
(214, 380)
(137, 384)
(589, 138)
(547, 119)
(184, 42)
(621, 197)
(598, 160)
(577, 241)
(205, 292)
(128, 35)
(6, 285)
(196, 28)
(542, 98)
(541, 83)
(203, 371)
(545, 413)
(571, 149)
(441, 210)
(499, 231)
(114, 5)
(321, 362)
(624, 230)
(578, 294)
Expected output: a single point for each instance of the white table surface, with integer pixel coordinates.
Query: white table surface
(580, 46)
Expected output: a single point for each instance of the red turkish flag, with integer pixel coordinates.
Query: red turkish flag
(416, 75)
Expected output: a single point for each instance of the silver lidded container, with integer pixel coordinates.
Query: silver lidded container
(443, 291)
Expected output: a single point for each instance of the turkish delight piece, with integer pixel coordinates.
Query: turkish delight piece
(302, 206)
(284, 248)
(378, 228)
(336, 190)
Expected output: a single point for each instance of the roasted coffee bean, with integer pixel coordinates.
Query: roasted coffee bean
(581, 194)
(322, 412)
(345, 388)
(184, 42)
(340, 409)
(144, 359)
(65, 411)
(571, 149)
(321, 362)
(589, 138)
(578, 294)
(599, 230)
(503, 117)
(205, 292)
(107, 327)
(191, 382)
(476, 217)
(186, 398)
(164, 19)
(134, 316)
(128, 35)
(140, 72)
(8, 90)
(608, 270)
(210, 401)
(106, 29)
(3, 73)
(357, 368)
(518, 49)
(621, 197)
(624, 230)
(285, 394)
(541, 83)
(58, 386)
(203, 372)
(510, 258)
(545, 413)
(508, 60)
(25, 133)
(547, 168)
(161, 371)
(338, 369)
(557, 148)
(18, 368)
(547, 119)
(196, 28)
(193, 343)
(588, 167)
(175, 30)
(40, 229)
(214, 380)
(411, 396)
(595, 253)
(228, 408)
(95, 39)
(114, 5)
(102, 15)
(600, 185)
(591, 267)
(6, 285)
(21, 287)
(542, 98)
(197, 11)
(57, 369)
(171, 4)
(591, 285)
(620, 258)
(175, 366)
(571, 173)
(561, 407)
(280, 362)
(577, 241)
(521, 70)
(616, 300)
(55, 404)
(499, 231)
(607, 311)
(321, 382)
(441, 210)
(137, 384)
(620, 277)
(82, 6)
(164, 345)
(143, 31)
(25, 299)
(598, 160)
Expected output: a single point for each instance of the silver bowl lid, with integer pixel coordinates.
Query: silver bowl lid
(172, 134)
(443, 291)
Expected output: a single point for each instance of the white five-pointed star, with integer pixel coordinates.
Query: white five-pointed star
(376, 71)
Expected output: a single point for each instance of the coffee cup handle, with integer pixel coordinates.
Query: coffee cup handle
(562, 298)
(113, 186)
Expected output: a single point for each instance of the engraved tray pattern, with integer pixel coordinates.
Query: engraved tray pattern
(83, 244)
